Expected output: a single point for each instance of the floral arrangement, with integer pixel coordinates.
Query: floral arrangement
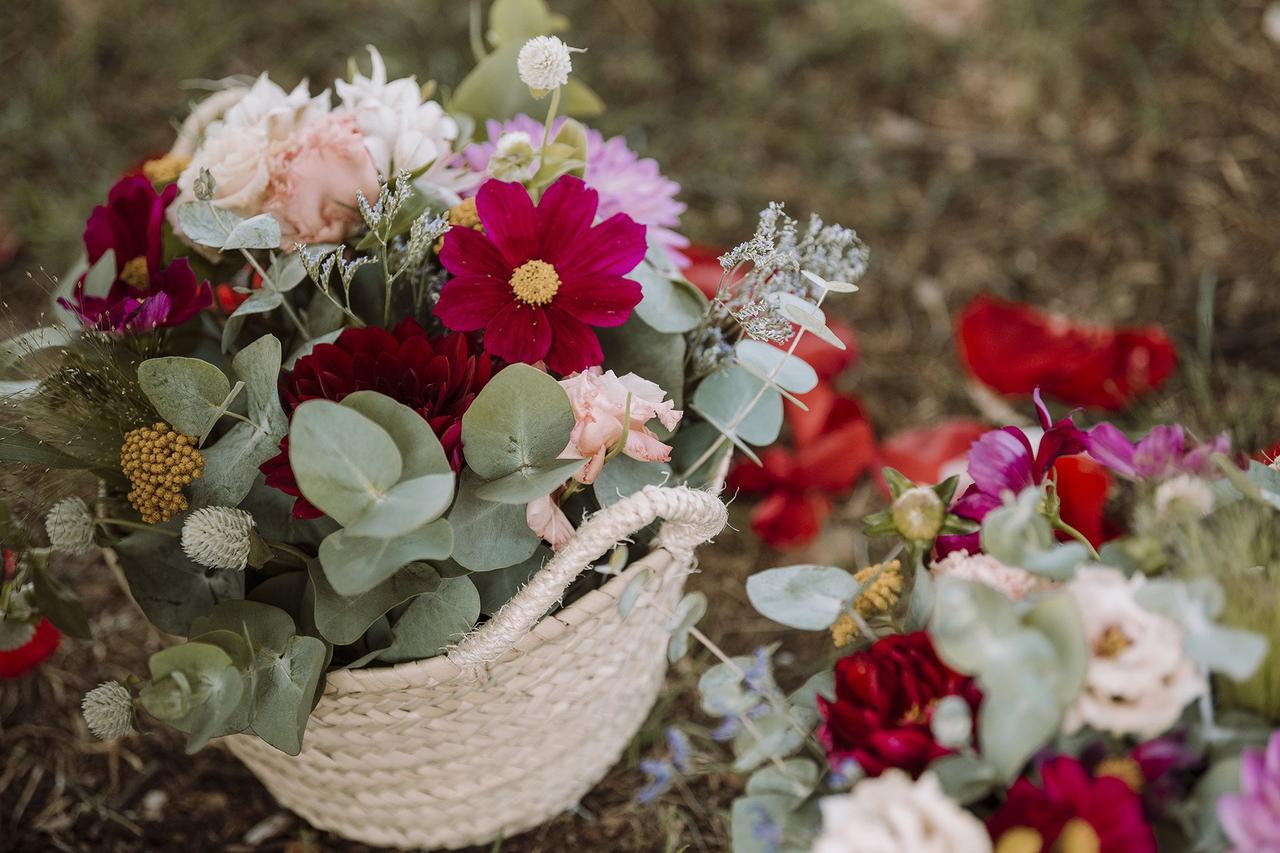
(339, 373)
(1001, 680)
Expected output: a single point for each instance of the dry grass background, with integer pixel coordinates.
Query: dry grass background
(1112, 160)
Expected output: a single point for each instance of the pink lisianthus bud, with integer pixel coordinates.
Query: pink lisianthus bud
(545, 518)
(602, 414)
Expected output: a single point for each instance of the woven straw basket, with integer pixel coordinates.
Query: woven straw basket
(516, 723)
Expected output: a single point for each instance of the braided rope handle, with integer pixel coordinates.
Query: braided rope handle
(690, 516)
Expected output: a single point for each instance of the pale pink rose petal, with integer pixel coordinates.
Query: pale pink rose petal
(546, 519)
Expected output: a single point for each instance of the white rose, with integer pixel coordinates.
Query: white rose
(238, 158)
(891, 814)
(276, 113)
(205, 114)
(1138, 677)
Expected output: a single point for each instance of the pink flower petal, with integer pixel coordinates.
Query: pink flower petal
(546, 519)
(468, 303)
(519, 333)
(614, 247)
(573, 346)
(468, 252)
(600, 300)
(509, 219)
(565, 214)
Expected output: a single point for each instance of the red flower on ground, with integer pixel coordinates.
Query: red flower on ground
(438, 377)
(43, 643)
(832, 451)
(1014, 348)
(930, 454)
(704, 270)
(538, 278)
(1101, 813)
(884, 703)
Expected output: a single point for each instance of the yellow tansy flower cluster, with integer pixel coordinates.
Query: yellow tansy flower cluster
(879, 597)
(463, 215)
(159, 462)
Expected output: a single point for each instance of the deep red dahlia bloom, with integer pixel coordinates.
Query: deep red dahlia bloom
(145, 293)
(438, 377)
(1015, 348)
(538, 278)
(884, 703)
(1067, 793)
(43, 643)
(833, 449)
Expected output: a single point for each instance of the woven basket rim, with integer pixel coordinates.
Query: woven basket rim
(440, 669)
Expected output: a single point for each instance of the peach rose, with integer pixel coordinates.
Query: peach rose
(314, 181)
(599, 401)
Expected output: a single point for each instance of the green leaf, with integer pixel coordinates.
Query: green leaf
(406, 507)
(965, 777)
(622, 476)
(686, 615)
(493, 91)
(202, 223)
(172, 590)
(809, 317)
(522, 486)
(60, 605)
(187, 392)
(286, 272)
(721, 692)
(222, 694)
(265, 627)
(806, 597)
(213, 690)
(419, 447)
(636, 347)
(669, 303)
(343, 619)
(688, 445)
(32, 341)
(517, 21)
(970, 624)
(284, 688)
(17, 445)
(1019, 715)
(731, 395)
(257, 232)
(755, 821)
(354, 564)
(522, 419)
(798, 777)
(1057, 617)
(632, 591)
(488, 535)
(434, 620)
(344, 463)
(794, 373)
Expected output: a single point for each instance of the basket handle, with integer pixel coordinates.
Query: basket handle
(691, 518)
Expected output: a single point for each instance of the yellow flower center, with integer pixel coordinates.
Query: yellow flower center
(464, 215)
(166, 169)
(1123, 768)
(1020, 839)
(1112, 642)
(535, 282)
(1078, 837)
(135, 273)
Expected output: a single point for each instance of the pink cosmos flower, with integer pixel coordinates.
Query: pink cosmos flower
(538, 278)
(599, 400)
(1161, 453)
(314, 181)
(1251, 818)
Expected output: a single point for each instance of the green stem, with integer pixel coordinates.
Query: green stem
(297, 553)
(546, 128)
(1059, 524)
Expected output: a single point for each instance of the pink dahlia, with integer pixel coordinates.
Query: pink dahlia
(538, 278)
(145, 293)
(626, 182)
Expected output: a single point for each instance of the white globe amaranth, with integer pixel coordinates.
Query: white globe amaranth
(108, 710)
(70, 527)
(218, 537)
(544, 64)
(891, 813)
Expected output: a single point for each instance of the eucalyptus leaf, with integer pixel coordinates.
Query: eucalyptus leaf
(266, 628)
(669, 303)
(520, 420)
(797, 777)
(434, 620)
(732, 396)
(210, 718)
(284, 688)
(806, 597)
(257, 232)
(420, 449)
(493, 90)
(517, 21)
(623, 476)
(187, 392)
(488, 535)
(1058, 618)
(60, 605)
(775, 736)
(355, 564)
(793, 373)
(287, 272)
(259, 302)
(636, 347)
(686, 615)
(632, 591)
(965, 777)
(172, 590)
(18, 445)
(1018, 716)
(202, 223)
(721, 691)
(809, 317)
(32, 341)
(344, 463)
(498, 587)
(526, 484)
(405, 507)
(343, 619)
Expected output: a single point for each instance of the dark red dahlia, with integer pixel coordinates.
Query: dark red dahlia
(32, 653)
(1072, 806)
(437, 377)
(884, 704)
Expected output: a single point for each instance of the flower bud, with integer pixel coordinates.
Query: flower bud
(108, 710)
(70, 527)
(544, 64)
(218, 537)
(918, 513)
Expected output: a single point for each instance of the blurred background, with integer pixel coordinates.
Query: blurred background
(1112, 161)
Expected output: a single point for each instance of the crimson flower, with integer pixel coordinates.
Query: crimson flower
(538, 278)
(1071, 803)
(43, 643)
(145, 294)
(438, 377)
(930, 454)
(885, 696)
(1015, 348)
(797, 485)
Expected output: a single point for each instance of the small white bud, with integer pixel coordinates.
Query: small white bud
(70, 527)
(108, 710)
(218, 537)
(514, 158)
(1183, 497)
(544, 64)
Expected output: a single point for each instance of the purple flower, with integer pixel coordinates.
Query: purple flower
(1159, 454)
(626, 183)
(1251, 818)
(144, 294)
(1004, 460)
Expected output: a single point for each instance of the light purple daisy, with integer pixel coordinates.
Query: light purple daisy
(626, 182)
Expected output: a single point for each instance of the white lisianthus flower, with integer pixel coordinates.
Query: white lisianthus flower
(402, 132)
(1013, 582)
(890, 814)
(1138, 677)
(544, 64)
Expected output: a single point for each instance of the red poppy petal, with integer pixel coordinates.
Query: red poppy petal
(519, 333)
(508, 216)
(925, 454)
(468, 303)
(600, 300)
(835, 461)
(574, 346)
(565, 212)
(614, 247)
(468, 252)
(789, 521)
(1082, 487)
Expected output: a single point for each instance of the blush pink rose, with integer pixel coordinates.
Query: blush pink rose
(599, 401)
(314, 180)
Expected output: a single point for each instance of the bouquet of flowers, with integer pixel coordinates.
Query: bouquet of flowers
(341, 370)
(998, 681)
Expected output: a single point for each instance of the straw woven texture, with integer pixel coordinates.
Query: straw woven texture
(518, 721)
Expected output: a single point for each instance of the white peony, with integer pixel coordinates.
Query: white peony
(402, 132)
(1013, 582)
(891, 814)
(1138, 677)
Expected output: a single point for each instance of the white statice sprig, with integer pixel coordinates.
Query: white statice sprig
(544, 64)
(108, 710)
(219, 537)
(70, 527)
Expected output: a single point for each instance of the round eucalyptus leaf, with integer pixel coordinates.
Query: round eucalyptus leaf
(434, 620)
(806, 597)
(344, 462)
(419, 447)
(488, 535)
(534, 481)
(343, 619)
(622, 476)
(733, 395)
(809, 317)
(405, 507)
(520, 419)
(793, 373)
(355, 564)
(187, 392)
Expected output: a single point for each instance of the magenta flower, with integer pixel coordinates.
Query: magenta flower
(626, 182)
(1251, 818)
(1159, 454)
(538, 278)
(145, 294)
(1003, 460)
